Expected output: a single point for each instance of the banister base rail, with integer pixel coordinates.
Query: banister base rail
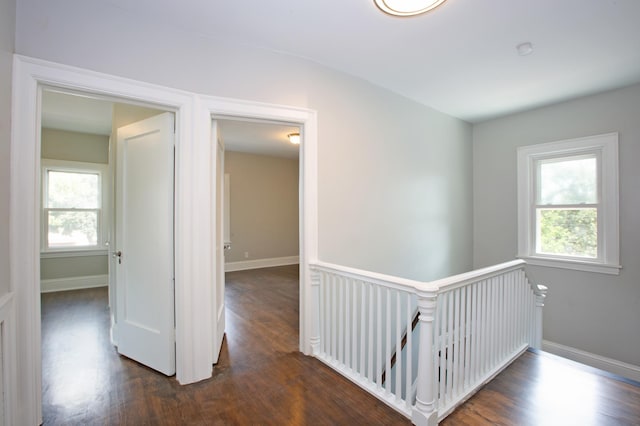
(470, 327)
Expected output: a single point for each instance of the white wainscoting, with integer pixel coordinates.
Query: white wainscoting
(73, 283)
(8, 367)
(610, 365)
(261, 263)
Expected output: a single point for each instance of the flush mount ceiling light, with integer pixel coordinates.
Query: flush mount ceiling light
(407, 7)
(294, 138)
(524, 49)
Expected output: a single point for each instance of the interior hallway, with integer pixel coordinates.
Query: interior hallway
(261, 377)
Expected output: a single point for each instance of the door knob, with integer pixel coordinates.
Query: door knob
(118, 254)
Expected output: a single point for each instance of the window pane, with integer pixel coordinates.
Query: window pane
(72, 229)
(569, 232)
(568, 181)
(73, 190)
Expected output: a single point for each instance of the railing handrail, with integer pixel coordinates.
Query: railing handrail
(440, 285)
(460, 280)
(373, 277)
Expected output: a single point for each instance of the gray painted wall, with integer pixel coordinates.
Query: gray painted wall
(7, 37)
(73, 266)
(593, 312)
(394, 175)
(74, 146)
(264, 206)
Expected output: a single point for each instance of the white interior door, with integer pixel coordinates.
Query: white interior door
(144, 242)
(218, 293)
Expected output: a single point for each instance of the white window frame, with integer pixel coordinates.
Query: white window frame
(103, 212)
(605, 148)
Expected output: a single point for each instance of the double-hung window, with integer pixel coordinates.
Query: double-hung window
(73, 206)
(568, 204)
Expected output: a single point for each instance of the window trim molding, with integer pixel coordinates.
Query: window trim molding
(104, 213)
(606, 145)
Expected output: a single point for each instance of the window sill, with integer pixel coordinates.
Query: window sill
(72, 253)
(576, 265)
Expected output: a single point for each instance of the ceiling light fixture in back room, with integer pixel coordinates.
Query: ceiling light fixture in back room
(294, 138)
(407, 7)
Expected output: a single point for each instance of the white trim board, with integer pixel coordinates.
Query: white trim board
(610, 365)
(73, 283)
(261, 263)
(8, 360)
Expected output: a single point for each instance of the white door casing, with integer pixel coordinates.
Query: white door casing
(215, 107)
(144, 242)
(219, 220)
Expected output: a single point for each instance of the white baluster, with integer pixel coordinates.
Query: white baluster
(409, 350)
(334, 319)
(449, 352)
(347, 322)
(541, 293)
(363, 326)
(441, 336)
(314, 339)
(354, 325)
(425, 410)
(323, 313)
(475, 334)
(468, 338)
(398, 365)
(371, 327)
(379, 361)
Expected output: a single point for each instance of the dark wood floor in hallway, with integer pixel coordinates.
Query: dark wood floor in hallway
(261, 378)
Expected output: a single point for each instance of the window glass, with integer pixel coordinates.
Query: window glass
(570, 180)
(72, 207)
(70, 229)
(73, 190)
(568, 232)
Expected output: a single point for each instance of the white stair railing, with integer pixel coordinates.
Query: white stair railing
(471, 326)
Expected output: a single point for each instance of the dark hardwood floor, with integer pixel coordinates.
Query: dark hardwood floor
(543, 389)
(262, 379)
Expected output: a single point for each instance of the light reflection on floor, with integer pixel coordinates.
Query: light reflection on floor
(76, 371)
(559, 389)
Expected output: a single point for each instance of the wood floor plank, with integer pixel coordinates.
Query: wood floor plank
(542, 389)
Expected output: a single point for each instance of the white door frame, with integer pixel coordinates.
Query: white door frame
(193, 213)
(216, 108)
(29, 76)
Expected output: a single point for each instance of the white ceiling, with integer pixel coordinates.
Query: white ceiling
(258, 138)
(76, 113)
(460, 59)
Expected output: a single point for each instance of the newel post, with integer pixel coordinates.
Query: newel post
(540, 292)
(425, 411)
(314, 338)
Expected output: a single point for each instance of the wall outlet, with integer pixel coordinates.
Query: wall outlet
(246, 254)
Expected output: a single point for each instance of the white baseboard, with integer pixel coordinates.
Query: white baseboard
(73, 283)
(614, 366)
(261, 263)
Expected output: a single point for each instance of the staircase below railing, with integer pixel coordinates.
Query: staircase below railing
(469, 328)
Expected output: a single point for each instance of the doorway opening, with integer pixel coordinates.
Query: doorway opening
(258, 185)
(93, 240)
